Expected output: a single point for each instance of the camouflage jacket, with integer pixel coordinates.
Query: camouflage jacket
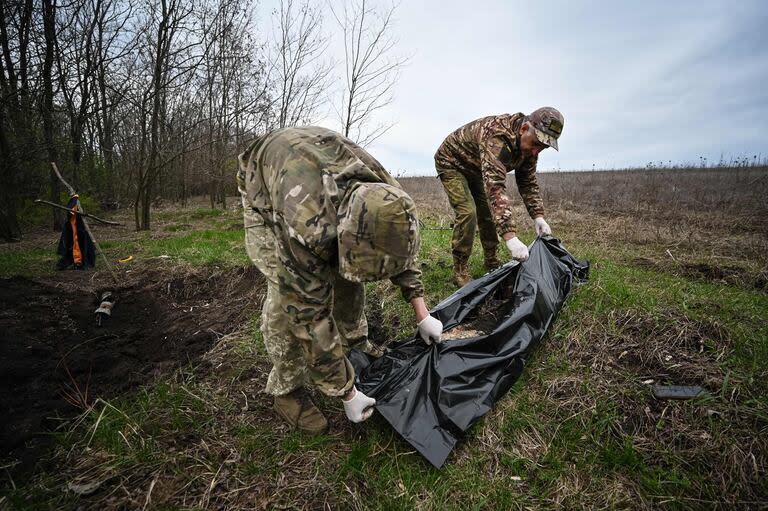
(490, 147)
(296, 178)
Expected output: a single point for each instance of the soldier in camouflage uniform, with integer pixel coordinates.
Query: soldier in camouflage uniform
(322, 217)
(473, 162)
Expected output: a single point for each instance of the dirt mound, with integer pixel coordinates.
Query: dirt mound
(55, 361)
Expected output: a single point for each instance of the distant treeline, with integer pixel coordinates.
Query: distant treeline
(139, 100)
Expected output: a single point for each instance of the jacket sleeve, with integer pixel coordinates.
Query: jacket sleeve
(529, 187)
(494, 174)
(410, 283)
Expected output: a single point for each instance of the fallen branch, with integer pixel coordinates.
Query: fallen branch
(69, 187)
(87, 215)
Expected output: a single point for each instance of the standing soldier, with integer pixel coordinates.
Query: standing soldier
(473, 162)
(322, 216)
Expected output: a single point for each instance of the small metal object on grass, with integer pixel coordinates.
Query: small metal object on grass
(105, 308)
(677, 391)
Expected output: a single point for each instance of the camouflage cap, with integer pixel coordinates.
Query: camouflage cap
(378, 234)
(548, 125)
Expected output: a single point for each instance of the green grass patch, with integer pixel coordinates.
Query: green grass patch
(28, 263)
(202, 248)
(742, 312)
(176, 227)
(557, 440)
(181, 215)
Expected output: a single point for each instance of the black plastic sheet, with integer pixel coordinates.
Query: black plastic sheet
(432, 394)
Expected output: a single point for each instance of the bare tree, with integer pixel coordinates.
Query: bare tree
(171, 54)
(49, 29)
(15, 110)
(160, 92)
(228, 66)
(371, 70)
(300, 74)
(76, 70)
(112, 44)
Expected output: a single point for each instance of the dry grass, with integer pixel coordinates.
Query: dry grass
(625, 352)
(675, 298)
(670, 191)
(202, 441)
(706, 224)
(585, 419)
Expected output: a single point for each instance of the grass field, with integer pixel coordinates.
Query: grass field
(678, 294)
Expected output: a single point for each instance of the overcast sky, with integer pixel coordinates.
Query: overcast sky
(636, 81)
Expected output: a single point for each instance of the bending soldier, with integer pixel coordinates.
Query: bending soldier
(473, 162)
(322, 217)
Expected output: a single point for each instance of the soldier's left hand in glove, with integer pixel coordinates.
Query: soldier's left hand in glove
(542, 227)
(357, 405)
(430, 329)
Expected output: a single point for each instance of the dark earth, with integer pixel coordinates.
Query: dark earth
(486, 317)
(55, 361)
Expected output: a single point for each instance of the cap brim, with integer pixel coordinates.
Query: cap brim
(546, 139)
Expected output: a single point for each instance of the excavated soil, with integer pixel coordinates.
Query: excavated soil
(477, 324)
(55, 361)
(486, 317)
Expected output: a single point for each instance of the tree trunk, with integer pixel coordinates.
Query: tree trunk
(9, 222)
(183, 180)
(15, 116)
(49, 27)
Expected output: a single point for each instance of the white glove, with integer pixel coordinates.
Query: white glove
(430, 329)
(359, 407)
(518, 249)
(542, 227)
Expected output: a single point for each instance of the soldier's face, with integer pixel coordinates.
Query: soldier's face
(529, 144)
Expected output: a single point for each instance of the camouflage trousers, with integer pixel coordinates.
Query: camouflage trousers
(293, 359)
(470, 206)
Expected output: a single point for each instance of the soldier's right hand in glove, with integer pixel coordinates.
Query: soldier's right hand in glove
(357, 405)
(430, 329)
(518, 249)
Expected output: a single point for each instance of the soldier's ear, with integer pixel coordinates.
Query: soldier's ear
(524, 127)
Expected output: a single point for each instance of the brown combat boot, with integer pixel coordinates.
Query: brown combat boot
(461, 275)
(491, 261)
(298, 410)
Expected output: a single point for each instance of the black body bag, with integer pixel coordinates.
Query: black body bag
(432, 394)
